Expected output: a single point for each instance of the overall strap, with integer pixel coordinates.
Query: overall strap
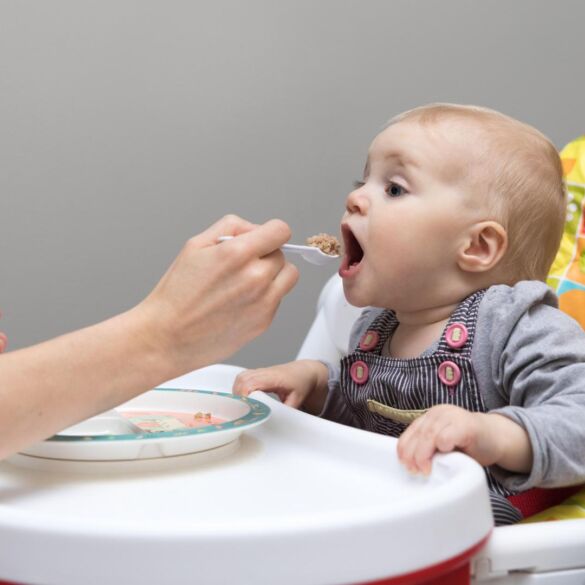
(460, 329)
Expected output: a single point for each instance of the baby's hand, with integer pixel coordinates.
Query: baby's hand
(446, 428)
(292, 382)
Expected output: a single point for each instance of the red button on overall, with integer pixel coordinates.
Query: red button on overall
(359, 372)
(369, 340)
(449, 373)
(456, 335)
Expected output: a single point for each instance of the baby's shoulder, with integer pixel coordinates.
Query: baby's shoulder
(529, 306)
(518, 297)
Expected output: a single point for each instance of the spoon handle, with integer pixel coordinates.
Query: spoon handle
(294, 248)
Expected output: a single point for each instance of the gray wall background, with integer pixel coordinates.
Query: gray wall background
(127, 126)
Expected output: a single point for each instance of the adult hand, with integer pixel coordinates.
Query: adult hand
(216, 297)
(212, 300)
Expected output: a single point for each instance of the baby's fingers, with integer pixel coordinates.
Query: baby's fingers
(245, 383)
(265, 379)
(408, 444)
(419, 443)
(443, 439)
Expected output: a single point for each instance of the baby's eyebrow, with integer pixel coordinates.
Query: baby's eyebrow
(403, 160)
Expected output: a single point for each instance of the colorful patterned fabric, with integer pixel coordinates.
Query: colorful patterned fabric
(567, 275)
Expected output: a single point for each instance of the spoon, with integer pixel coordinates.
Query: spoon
(311, 254)
(110, 422)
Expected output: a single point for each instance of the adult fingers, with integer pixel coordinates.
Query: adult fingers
(261, 272)
(265, 238)
(284, 281)
(229, 225)
(265, 284)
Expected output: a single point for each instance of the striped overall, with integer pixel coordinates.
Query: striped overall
(386, 393)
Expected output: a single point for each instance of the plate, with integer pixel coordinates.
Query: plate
(163, 422)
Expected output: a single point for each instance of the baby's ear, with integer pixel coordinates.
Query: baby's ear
(484, 246)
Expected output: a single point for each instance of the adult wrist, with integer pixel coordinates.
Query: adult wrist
(152, 343)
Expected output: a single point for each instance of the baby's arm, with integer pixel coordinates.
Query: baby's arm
(491, 439)
(298, 383)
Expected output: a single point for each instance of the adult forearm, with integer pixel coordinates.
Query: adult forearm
(47, 387)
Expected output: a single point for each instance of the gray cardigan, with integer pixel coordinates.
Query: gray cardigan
(529, 362)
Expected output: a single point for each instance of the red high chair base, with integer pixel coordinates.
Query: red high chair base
(455, 571)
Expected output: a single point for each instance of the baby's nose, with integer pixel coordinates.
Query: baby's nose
(357, 201)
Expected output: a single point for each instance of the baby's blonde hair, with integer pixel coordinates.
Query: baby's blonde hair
(519, 173)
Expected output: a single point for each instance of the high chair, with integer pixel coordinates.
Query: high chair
(63, 528)
(533, 553)
(551, 553)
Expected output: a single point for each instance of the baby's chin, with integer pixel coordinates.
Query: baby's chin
(357, 297)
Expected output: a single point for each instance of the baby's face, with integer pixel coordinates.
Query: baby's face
(405, 221)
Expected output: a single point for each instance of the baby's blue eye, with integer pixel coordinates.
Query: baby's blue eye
(395, 190)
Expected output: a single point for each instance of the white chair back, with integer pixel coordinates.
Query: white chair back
(328, 336)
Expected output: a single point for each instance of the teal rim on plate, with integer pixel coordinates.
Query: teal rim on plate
(257, 413)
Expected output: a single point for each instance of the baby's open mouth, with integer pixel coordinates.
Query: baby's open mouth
(353, 251)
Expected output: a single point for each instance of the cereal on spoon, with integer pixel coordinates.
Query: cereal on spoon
(327, 243)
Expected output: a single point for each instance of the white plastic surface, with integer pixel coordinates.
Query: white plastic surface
(542, 547)
(301, 501)
(219, 377)
(328, 336)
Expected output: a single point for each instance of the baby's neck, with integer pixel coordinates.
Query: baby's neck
(425, 316)
(418, 330)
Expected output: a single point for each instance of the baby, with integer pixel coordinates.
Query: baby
(450, 235)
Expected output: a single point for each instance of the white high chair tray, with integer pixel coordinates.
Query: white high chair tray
(299, 501)
(164, 422)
